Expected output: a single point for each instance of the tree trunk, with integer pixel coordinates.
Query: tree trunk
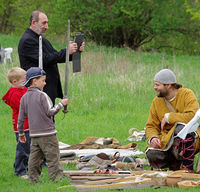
(5, 18)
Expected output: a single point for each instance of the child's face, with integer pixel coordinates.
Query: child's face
(18, 83)
(40, 82)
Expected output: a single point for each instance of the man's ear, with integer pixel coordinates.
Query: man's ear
(169, 86)
(33, 22)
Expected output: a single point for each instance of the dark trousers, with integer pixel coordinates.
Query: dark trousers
(181, 152)
(22, 155)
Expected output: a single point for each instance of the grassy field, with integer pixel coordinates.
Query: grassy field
(112, 94)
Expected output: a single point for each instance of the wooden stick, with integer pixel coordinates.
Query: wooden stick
(92, 173)
(147, 171)
(198, 164)
(106, 185)
(92, 178)
(186, 175)
(113, 185)
(115, 180)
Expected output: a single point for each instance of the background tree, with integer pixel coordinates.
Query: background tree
(193, 7)
(171, 26)
(6, 8)
(176, 32)
(148, 24)
(20, 16)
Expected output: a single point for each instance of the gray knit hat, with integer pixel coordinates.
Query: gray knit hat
(165, 76)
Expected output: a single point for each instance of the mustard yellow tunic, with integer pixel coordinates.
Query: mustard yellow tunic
(185, 103)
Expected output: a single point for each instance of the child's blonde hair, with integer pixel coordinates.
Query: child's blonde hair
(15, 73)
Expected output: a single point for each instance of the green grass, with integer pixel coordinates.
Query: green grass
(112, 94)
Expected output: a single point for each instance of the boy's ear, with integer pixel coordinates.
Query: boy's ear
(13, 81)
(34, 80)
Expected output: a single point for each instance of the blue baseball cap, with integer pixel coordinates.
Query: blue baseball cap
(33, 72)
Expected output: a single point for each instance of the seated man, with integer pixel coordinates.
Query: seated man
(173, 104)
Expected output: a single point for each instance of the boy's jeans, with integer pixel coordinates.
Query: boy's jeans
(22, 155)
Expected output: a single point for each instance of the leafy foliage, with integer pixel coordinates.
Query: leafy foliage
(171, 26)
(193, 7)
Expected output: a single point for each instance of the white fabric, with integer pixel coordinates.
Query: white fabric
(108, 151)
(136, 135)
(166, 117)
(192, 126)
(63, 145)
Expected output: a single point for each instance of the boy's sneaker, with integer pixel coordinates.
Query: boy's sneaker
(24, 176)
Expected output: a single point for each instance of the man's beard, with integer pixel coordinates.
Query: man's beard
(39, 31)
(162, 94)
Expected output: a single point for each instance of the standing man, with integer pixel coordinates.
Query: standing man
(173, 104)
(28, 50)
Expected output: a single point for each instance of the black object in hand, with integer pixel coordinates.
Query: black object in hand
(76, 57)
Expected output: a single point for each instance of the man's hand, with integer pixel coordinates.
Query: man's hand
(22, 139)
(72, 47)
(155, 143)
(163, 123)
(82, 47)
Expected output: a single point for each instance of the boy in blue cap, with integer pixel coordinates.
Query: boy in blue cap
(39, 108)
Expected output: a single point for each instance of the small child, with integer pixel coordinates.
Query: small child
(17, 76)
(38, 106)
